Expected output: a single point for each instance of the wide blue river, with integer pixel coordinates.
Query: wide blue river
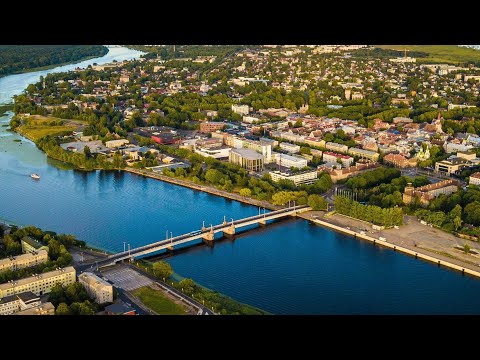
(291, 267)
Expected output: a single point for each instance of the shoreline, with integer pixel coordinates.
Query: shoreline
(417, 253)
(204, 188)
(52, 66)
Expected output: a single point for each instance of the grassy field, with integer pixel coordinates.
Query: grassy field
(37, 126)
(156, 301)
(451, 54)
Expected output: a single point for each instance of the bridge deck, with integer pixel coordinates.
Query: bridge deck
(185, 238)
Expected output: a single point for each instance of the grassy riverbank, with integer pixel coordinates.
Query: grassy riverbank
(451, 54)
(219, 303)
(158, 302)
(36, 127)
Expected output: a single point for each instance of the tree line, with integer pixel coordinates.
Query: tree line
(387, 217)
(19, 58)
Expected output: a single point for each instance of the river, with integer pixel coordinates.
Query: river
(291, 267)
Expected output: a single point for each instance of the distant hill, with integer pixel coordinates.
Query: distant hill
(22, 58)
(450, 54)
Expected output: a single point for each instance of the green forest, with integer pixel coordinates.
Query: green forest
(21, 58)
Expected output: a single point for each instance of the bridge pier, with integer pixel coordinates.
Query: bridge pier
(170, 248)
(262, 222)
(209, 237)
(229, 232)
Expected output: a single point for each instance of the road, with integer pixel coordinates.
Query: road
(129, 301)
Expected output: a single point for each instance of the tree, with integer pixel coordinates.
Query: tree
(87, 152)
(162, 269)
(188, 286)
(63, 309)
(305, 150)
(283, 197)
(213, 176)
(246, 192)
(466, 248)
(317, 202)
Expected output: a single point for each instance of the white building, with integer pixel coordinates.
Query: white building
(333, 158)
(474, 179)
(116, 143)
(304, 177)
(290, 161)
(97, 288)
(215, 152)
(240, 109)
(262, 147)
(452, 147)
(291, 148)
(18, 303)
(39, 284)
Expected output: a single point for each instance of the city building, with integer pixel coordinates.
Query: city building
(357, 96)
(119, 308)
(334, 158)
(340, 174)
(336, 147)
(211, 126)
(289, 161)
(260, 146)
(315, 141)
(116, 143)
(451, 147)
(30, 245)
(302, 177)
(247, 158)
(474, 179)
(250, 119)
(27, 301)
(429, 192)
(291, 148)
(24, 261)
(451, 165)
(219, 152)
(42, 309)
(39, 284)
(364, 154)
(97, 288)
(240, 109)
(400, 161)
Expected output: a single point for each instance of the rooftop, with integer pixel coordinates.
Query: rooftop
(438, 185)
(118, 308)
(30, 279)
(92, 279)
(248, 153)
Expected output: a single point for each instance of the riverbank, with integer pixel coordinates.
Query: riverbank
(396, 240)
(52, 66)
(204, 188)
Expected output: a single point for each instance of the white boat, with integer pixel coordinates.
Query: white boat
(35, 176)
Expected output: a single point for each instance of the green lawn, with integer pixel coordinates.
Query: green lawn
(37, 126)
(439, 53)
(156, 301)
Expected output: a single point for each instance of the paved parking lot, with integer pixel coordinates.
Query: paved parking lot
(126, 278)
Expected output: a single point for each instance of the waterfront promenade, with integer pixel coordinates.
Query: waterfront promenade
(204, 188)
